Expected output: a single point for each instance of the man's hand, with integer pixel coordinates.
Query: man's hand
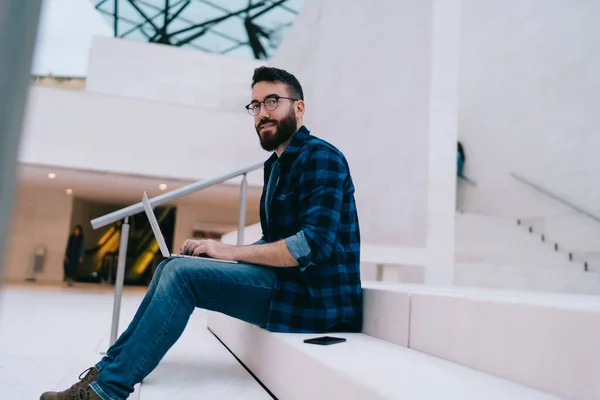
(211, 248)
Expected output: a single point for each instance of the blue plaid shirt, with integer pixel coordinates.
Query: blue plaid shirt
(310, 203)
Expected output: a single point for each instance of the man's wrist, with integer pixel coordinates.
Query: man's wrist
(237, 252)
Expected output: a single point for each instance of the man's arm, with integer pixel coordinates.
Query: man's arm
(274, 254)
(321, 193)
(270, 254)
(320, 198)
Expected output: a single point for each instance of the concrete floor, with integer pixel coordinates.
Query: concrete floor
(49, 334)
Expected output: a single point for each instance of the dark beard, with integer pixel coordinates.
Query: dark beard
(284, 130)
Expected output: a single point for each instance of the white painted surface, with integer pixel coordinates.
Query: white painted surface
(40, 217)
(573, 231)
(38, 337)
(34, 360)
(363, 367)
(494, 252)
(252, 233)
(198, 366)
(128, 188)
(189, 216)
(96, 132)
(386, 314)
(169, 74)
(530, 80)
(443, 124)
(366, 74)
(542, 340)
(570, 301)
(552, 348)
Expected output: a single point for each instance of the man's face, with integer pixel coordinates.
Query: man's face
(277, 126)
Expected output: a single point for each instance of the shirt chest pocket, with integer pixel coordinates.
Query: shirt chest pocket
(285, 208)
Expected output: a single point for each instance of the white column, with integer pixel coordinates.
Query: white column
(443, 122)
(18, 29)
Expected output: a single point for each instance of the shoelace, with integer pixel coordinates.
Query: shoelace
(85, 374)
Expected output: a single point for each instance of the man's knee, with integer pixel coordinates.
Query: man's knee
(180, 269)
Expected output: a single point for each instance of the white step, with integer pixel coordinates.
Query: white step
(500, 276)
(363, 368)
(517, 277)
(501, 241)
(546, 341)
(198, 366)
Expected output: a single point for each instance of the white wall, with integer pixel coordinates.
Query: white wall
(41, 217)
(573, 231)
(103, 133)
(190, 215)
(530, 91)
(169, 74)
(366, 75)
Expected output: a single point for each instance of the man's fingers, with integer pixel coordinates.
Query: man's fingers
(187, 246)
(193, 247)
(199, 249)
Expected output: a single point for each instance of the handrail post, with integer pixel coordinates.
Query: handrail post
(119, 281)
(242, 217)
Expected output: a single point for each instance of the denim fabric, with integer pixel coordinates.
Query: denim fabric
(179, 285)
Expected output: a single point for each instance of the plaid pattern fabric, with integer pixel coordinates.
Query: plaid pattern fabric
(314, 194)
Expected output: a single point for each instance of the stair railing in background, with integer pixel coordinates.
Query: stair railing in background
(536, 224)
(554, 196)
(125, 213)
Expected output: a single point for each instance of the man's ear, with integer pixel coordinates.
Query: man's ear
(300, 108)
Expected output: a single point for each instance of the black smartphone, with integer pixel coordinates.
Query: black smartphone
(325, 340)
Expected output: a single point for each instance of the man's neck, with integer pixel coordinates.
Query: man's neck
(279, 150)
(283, 146)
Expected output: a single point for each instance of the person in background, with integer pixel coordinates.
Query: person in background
(461, 158)
(74, 253)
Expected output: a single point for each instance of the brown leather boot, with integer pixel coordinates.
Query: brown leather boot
(77, 390)
(87, 394)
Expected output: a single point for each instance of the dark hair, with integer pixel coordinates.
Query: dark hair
(78, 227)
(272, 74)
(461, 150)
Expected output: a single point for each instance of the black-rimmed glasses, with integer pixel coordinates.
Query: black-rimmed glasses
(270, 103)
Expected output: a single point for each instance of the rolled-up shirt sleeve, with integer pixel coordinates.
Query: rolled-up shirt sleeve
(299, 249)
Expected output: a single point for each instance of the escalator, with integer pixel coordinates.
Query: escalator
(143, 254)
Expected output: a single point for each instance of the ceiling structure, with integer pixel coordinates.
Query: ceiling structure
(243, 28)
(120, 189)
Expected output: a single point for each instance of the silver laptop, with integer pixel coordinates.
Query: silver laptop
(160, 238)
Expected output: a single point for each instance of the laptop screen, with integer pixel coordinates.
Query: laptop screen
(155, 227)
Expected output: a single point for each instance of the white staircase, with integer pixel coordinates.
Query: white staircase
(497, 253)
(491, 252)
(426, 343)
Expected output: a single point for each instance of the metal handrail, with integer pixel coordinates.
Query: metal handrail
(125, 213)
(558, 198)
(170, 196)
(554, 196)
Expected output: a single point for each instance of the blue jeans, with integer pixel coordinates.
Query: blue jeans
(179, 285)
